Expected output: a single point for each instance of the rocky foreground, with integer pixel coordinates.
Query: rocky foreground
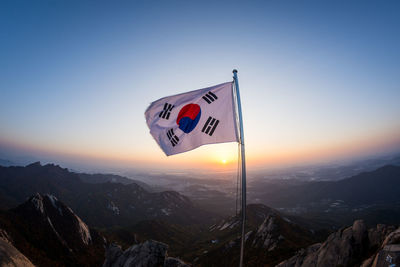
(9, 255)
(45, 232)
(352, 246)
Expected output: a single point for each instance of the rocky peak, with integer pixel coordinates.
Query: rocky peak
(267, 235)
(37, 201)
(256, 214)
(359, 231)
(34, 165)
(227, 224)
(378, 234)
(49, 233)
(348, 247)
(389, 252)
(48, 212)
(50, 169)
(392, 238)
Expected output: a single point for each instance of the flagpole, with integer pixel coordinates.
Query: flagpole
(243, 166)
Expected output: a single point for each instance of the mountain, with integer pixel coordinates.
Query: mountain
(49, 233)
(99, 178)
(379, 186)
(6, 163)
(372, 196)
(111, 204)
(45, 232)
(270, 238)
(352, 246)
(99, 204)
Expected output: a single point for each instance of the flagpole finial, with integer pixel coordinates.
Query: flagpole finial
(234, 71)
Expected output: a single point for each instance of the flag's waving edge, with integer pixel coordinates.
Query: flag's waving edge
(183, 122)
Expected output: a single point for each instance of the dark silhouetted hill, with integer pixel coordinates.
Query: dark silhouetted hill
(99, 204)
(379, 186)
(99, 178)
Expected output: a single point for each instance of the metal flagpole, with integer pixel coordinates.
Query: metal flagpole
(243, 167)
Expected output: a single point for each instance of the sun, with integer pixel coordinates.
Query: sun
(224, 161)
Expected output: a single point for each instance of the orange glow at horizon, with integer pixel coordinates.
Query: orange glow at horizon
(224, 156)
(339, 150)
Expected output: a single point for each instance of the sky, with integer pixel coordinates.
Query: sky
(319, 80)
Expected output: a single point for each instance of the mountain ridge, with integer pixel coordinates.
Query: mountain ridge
(99, 204)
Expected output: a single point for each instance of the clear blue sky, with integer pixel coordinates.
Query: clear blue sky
(319, 79)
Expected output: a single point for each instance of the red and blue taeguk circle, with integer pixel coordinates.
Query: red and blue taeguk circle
(188, 117)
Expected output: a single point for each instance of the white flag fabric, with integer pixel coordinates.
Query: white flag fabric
(183, 122)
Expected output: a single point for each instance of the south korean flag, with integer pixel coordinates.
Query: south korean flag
(183, 122)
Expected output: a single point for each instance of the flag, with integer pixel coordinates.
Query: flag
(183, 122)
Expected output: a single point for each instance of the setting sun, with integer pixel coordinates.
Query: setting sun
(224, 161)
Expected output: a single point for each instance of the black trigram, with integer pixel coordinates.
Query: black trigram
(166, 111)
(210, 125)
(172, 137)
(210, 97)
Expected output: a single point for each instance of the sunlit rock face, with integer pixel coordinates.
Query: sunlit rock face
(270, 237)
(351, 246)
(9, 255)
(49, 213)
(49, 233)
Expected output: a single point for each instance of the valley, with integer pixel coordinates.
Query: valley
(195, 224)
